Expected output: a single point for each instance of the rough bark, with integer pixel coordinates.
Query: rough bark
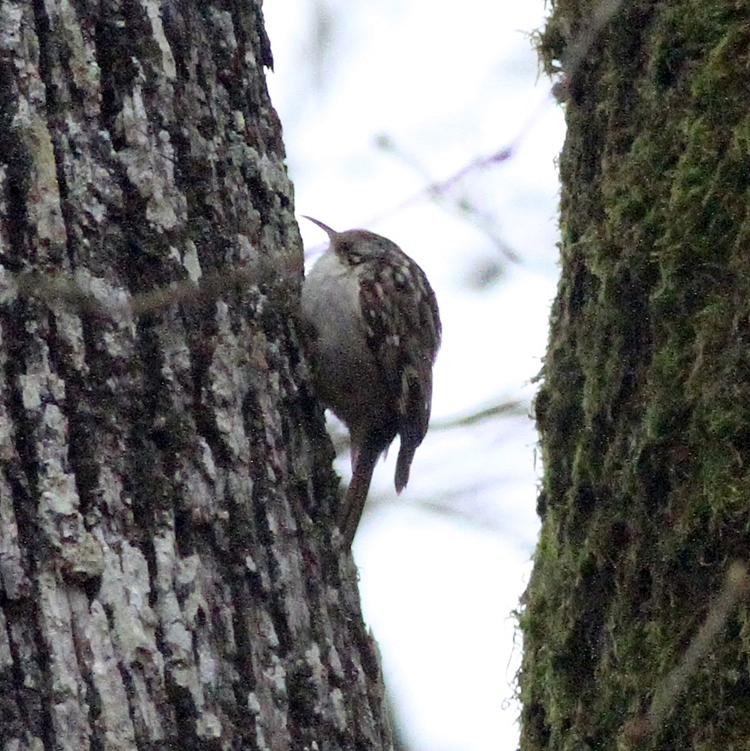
(166, 569)
(643, 410)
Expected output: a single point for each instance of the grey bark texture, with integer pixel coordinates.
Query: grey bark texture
(167, 575)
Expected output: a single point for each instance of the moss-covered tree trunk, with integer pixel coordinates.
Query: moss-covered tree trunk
(644, 412)
(167, 573)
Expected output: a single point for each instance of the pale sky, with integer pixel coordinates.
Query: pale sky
(442, 566)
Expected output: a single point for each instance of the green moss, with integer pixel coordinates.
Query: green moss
(643, 411)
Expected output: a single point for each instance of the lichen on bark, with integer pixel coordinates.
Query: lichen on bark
(168, 574)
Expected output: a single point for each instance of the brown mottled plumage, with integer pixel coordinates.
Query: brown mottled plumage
(376, 335)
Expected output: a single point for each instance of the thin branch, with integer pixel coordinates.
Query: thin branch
(667, 693)
(85, 294)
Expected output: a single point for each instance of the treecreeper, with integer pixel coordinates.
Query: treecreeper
(375, 332)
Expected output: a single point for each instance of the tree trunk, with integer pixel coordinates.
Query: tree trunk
(167, 575)
(643, 413)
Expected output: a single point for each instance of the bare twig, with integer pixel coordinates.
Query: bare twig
(575, 53)
(667, 693)
(92, 296)
(512, 408)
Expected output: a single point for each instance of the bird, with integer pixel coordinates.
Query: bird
(375, 332)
